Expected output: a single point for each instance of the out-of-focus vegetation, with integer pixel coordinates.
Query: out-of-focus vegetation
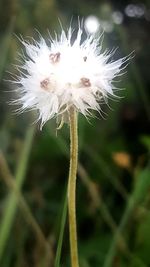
(113, 187)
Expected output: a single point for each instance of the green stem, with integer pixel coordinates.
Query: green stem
(72, 187)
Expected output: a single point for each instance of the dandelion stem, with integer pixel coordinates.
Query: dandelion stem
(72, 187)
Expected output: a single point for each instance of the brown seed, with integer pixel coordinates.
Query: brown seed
(85, 59)
(44, 84)
(54, 58)
(86, 82)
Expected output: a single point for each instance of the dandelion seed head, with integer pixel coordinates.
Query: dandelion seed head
(57, 75)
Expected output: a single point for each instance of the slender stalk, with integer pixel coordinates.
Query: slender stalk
(72, 187)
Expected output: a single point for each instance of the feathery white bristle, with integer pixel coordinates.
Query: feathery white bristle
(55, 77)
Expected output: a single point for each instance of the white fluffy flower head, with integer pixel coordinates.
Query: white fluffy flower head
(62, 73)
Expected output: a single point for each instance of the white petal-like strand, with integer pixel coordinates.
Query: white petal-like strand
(66, 73)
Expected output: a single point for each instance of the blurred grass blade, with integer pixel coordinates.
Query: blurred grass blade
(25, 209)
(62, 227)
(107, 172)
(141, 189)
(11, 203)
(4, 46)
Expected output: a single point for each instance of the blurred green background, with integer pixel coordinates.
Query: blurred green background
(113, 186)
